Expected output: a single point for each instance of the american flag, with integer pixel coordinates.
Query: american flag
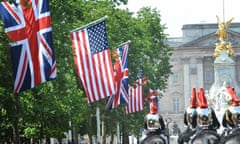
(93, 61)
(135, 103)
(121, 78)
(28, 26)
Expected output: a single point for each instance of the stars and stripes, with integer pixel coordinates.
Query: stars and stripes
(121, 78)
(135, 103)
(28, 26)
(93, 61)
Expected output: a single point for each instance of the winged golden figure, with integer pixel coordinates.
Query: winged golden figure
(222, 29)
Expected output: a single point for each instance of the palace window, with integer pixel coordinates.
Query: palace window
(175, 78)
(176, 104)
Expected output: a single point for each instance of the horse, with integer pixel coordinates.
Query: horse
(205, 137)
(233, 137)
(154, 139)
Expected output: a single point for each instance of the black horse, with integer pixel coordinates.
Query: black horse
(205, 137)
(154, 139)
(233, 137)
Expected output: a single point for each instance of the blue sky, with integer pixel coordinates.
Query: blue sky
(176, 13)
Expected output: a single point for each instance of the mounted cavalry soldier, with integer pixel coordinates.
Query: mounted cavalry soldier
(154, 126)
(207, 123)
(204, 122)
(190, 122)
(206, 118)
(153, 112)
(231, 118)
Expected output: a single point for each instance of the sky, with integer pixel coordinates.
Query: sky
(176, 13)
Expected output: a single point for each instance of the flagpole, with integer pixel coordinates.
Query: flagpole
(98, 125)
(91, 23)
(118, 133)
(223, 11)
(124, 43)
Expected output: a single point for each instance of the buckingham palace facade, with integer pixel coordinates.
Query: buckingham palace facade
(192, 61)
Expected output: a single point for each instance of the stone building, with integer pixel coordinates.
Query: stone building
(192, 60)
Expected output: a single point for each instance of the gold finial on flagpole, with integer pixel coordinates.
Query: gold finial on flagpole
(91, 23)
(124, 43)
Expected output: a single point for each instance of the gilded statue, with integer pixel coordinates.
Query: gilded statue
(222, 32)
(223, 46)
(222, 29)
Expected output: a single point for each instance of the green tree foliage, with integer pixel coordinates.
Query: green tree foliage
(153, 52)
(45, 111)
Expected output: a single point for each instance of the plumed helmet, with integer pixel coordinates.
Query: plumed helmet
(234, 103)
(204, 116)
(234, 99)
(154, 105)
(193, 101)
(191, 116)
(202, 100)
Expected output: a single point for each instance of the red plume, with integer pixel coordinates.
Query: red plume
(154, 105)
(202, 101)
(154, 109)
(235, 98)
(193, 101)
(234, 103)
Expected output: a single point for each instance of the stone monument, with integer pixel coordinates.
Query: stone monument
(224, 72)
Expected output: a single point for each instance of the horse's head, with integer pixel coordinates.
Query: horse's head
(206, 137)
(154, 139)
(231, 138)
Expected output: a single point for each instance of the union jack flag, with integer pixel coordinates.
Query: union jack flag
(121, 78)
(28, 26)
(135, 103)
(93, 61)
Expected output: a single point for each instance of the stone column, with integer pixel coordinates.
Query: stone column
(186, 81)
(200, 72)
